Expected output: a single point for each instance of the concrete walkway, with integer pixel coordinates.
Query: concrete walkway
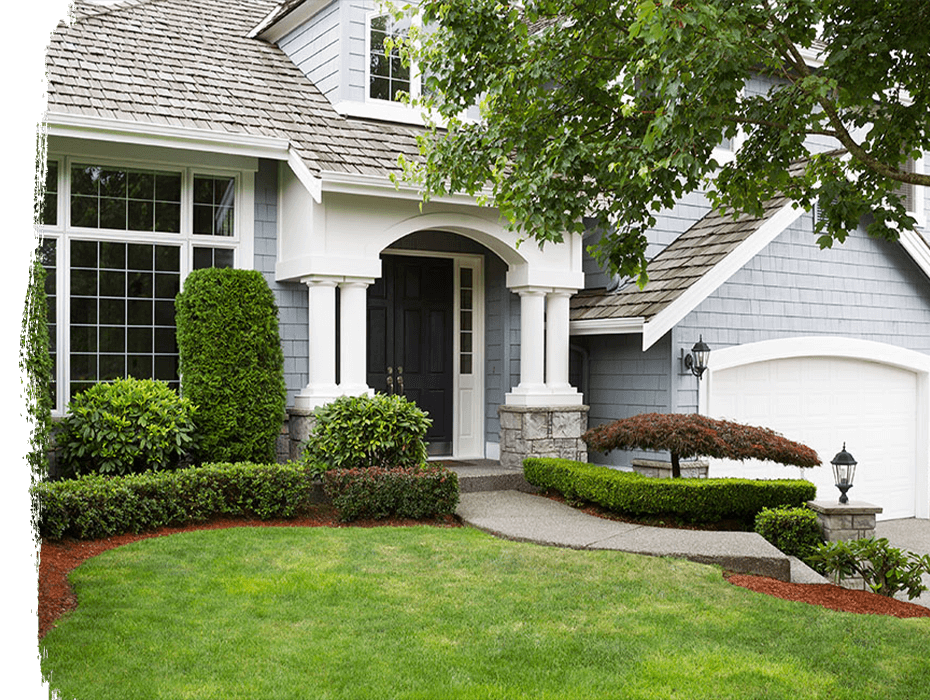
(498, 500)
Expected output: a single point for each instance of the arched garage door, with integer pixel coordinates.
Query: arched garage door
(823, 402)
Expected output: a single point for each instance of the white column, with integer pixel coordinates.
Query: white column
(353, 347)
(321, 356)
(532, 388)
(557, 349)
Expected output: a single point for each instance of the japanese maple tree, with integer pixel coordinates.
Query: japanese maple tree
(692, 435)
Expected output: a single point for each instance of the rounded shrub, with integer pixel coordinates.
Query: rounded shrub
(126, 426)
(795, 531)
(231, 363)
(357, 432)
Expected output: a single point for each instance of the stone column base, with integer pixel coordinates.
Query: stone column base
(846, 521)
(300, 422)
(663, 470)
(542, 431)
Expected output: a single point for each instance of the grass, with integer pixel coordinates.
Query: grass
(451, 613)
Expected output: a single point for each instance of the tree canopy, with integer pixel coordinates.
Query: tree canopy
(693, 435)
(602, 113)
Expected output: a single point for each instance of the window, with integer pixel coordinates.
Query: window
(466, 328)
(129, 236)
(387, 75)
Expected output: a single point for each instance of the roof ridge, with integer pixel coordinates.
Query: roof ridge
(85, 9)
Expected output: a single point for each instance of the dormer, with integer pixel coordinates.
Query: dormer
(338, 44)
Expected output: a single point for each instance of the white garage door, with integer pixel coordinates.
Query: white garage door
(824, 402)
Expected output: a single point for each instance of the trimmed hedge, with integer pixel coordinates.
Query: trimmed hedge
(231, 363)
(404, 492)
(694, 500)
(795, 531)
(96, 506)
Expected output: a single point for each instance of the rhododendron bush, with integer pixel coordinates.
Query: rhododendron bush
(687, 435)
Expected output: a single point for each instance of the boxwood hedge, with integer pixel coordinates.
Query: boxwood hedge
(693, 500)
(97, 506)
(404, 492)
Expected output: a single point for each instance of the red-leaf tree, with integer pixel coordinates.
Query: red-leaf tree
(693, 435)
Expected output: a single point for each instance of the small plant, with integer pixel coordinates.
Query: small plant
(404, 492)
(356, 432)
(795, 531)
(36, 361)
(126, 426)
(885, 569)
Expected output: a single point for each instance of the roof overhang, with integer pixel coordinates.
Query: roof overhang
(283, 20)
(384, 186)
(165, 135)
(607, 326)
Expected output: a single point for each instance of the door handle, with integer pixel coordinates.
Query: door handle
(390, 380)
(400, 384)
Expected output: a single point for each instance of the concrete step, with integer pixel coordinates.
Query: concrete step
(487, 475)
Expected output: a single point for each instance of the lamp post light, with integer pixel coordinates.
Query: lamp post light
(844, 469)
(696, 360)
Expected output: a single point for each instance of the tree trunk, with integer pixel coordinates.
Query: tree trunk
(676, 466)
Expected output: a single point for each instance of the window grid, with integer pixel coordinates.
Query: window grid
(466, 328)
(387, 75)
(115, 294)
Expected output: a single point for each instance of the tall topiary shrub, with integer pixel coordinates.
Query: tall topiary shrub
(35, 361)
(231, 363)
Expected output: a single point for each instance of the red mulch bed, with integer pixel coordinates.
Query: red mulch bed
(59, 558)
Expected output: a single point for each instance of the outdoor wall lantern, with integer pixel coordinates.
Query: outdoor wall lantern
(696, 360)
(844, 469)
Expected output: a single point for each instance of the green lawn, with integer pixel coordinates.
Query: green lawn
(424, 612)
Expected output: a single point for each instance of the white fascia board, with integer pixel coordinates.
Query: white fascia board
(272, 32)
(606, 326)
(149, 134)
(313, 184)
(917, 247)
(381, 186)
(666, 319)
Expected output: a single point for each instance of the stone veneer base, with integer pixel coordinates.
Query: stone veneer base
(542, 431)
(846, 521)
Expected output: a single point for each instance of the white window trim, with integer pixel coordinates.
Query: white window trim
(920, 202)
(415, 78)
(241, 242)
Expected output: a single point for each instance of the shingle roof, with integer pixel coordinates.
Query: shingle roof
(675, 269)
(189, 63)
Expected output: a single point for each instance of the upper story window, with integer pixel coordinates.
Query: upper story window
(387, 75)
(913, 195)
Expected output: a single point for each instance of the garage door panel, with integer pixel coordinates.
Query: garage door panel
(824, 402)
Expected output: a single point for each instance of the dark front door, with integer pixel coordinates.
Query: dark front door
(410, 312)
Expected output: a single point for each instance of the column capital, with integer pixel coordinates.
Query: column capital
(320, 281)
(362, 282)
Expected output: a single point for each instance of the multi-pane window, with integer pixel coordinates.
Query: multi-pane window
(214, 198)
(387, 75)
(128, 238)
(47, 254)
(122, 311)
(466, 315)
(125, 200)
(49, 214)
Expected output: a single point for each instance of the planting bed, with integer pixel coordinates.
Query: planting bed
(57, 559)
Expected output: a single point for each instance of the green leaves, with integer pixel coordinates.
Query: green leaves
(607, 111)
(885, 569)
(126, 426)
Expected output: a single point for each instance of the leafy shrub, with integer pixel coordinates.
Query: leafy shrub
(355, 432)
(795, 531)
(694, 500)
(126, 426)
(36, 361)
(693, 435)
(404, 492)
(231, 362)
(95, 506)
(885, 569)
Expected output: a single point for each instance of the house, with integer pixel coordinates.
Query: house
(263, 135)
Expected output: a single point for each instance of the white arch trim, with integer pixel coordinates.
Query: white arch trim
(846, 348)
(480, 230)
